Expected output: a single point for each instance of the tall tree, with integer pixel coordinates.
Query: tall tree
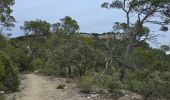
(69, 27)
(146, 11)
(38, 28)
(6, 19)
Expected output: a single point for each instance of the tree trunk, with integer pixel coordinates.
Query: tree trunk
(106, 65)
(126, 53)
(69, 71)
(81, 72)
(125, 62)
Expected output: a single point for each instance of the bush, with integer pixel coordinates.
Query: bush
(37, 63)
(53, 69)
(86, 83)
(48, 71)
(11, 78)
(20, 57)
(149, 74)
(2, 71)
(2, 87)
(152, 87)
(2, 97)
(9, 73)
(112, 84)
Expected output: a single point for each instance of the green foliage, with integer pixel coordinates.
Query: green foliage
(37, 64)
(86, 83)
(111, 83)
(9, 76)
(55, 66)
(152, 59)
(6, 20)
(69, 25)
(11, 79)
(2, 87)
(2, 70)
(20, 57)
(49, 70)
(37, 27)
(148, 75)
(143, 11)
(85, 59)
(2, 97)
(95, 84)
(152, 87)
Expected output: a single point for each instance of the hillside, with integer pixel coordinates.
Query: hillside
(54, 59)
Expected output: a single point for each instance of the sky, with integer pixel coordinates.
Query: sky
(88, 13)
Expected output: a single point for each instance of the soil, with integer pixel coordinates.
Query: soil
(37, 87)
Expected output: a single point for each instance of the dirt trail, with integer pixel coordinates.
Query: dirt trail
(35, 87)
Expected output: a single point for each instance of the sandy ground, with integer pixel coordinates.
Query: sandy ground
(36, 87)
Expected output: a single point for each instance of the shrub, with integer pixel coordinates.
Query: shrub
(86, 83)
(2, 97)
(37, 63)
(112, 84)
(152, 87)
(148, 74)
(20, 57)
(9, 76)
(2, 71)
(2, 87)
(48, 71)
(54, 69)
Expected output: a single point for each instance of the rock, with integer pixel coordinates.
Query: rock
(36, 71)
(128, 95)
(61, 86)
(2, 92)
(88, 97)
(66, 87)
(95, 95)
(137, 97)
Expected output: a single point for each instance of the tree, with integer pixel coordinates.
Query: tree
(69, 27)
(146, 11)
(56, 27)
(165, 48)
(6, 20)
(84, 58)
(38, 28)
(108, 57)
